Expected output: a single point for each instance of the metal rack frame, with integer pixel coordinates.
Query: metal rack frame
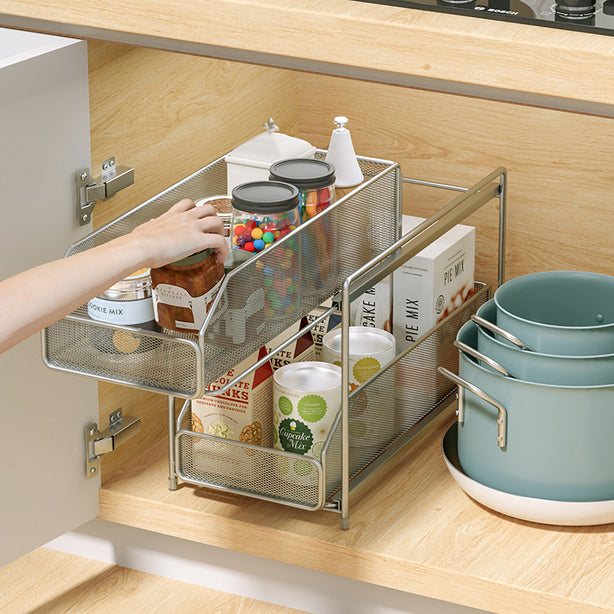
(341, 467)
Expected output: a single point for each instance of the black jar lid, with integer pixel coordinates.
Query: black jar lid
(194, 258)
(265, 197)
(304, 173)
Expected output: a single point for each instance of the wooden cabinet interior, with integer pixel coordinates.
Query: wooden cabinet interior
(169, 114)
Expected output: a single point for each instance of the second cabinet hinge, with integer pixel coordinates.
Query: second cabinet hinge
(120, 429)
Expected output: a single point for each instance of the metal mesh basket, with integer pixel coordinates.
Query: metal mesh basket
(246, 469)
(381, 412)
(247, 312)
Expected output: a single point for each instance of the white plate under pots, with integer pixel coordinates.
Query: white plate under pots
(544, 511)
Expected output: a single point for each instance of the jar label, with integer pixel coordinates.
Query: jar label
(176, 296)
(124, 313)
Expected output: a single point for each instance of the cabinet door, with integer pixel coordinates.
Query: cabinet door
(44, 136)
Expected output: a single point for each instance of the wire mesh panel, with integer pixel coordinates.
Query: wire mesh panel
(251, 307)
(313, 260)
(381, 411)
(389, 405)
(126, 355)
(247, 469)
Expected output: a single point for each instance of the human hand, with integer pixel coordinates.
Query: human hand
(180, 232)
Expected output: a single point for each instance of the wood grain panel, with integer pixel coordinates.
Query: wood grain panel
(452, 50)
(413, 529)
(167, 115)
(55, 582)
(560, 176)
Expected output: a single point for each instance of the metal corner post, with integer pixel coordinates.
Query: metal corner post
(172, 472)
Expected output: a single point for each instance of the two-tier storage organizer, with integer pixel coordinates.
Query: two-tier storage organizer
(339, 254)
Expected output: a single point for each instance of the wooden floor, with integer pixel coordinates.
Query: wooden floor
(49, 582)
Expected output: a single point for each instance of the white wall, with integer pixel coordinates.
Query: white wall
(241, 574)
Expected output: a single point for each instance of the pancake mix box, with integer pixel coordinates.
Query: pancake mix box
(429, 286)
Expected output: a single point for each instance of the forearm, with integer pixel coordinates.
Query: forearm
(40, 296)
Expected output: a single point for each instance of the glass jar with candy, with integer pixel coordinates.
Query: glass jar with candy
(315, 180)
(263, 212)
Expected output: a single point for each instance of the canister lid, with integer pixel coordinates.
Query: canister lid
(133, 287)
(194, 258)
(269, 146)
(304, 173)
(265, 197)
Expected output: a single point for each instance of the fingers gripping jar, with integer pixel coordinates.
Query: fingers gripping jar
(184, 290)
(315, 180)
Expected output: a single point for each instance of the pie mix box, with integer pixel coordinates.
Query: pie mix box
(426, 289)
(429, 286)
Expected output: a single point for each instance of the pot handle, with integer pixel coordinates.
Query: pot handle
(463, 347)
(484, 323)
(464, 384)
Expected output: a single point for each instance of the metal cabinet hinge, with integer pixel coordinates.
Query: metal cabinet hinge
(120, 429)
(112, 180)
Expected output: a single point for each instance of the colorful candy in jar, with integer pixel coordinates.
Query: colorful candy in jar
(315, 180)
(254, 235)
(263, 213)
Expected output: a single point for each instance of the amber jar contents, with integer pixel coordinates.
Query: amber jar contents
(184, 290)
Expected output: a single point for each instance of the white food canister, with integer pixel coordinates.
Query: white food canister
(126, 303)
(251, 160)
(370, 350)
(306, 401)
(371, 419)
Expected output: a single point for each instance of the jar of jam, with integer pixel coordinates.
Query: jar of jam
(315, 180)
(263, 212)
(183, 291)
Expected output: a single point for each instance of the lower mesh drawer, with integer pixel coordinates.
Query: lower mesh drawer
(243, 468)
(381, 412)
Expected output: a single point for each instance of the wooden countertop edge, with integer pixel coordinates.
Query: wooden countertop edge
(375, 568)
(378, 38)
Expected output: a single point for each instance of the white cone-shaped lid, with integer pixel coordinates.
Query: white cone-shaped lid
(342, 156)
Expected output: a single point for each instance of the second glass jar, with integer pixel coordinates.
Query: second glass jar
(315, 180)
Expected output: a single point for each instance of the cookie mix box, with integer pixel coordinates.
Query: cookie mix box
(300, 350)
(429, 286)
(243, 412)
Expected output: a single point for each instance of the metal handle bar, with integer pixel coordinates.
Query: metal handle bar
(464, 384)
(463, 347)
(484, 323)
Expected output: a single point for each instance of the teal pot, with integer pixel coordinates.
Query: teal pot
(535, 440)
(538, 367)
(559, 312)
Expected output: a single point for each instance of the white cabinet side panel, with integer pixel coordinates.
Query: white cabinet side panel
(44, 140)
